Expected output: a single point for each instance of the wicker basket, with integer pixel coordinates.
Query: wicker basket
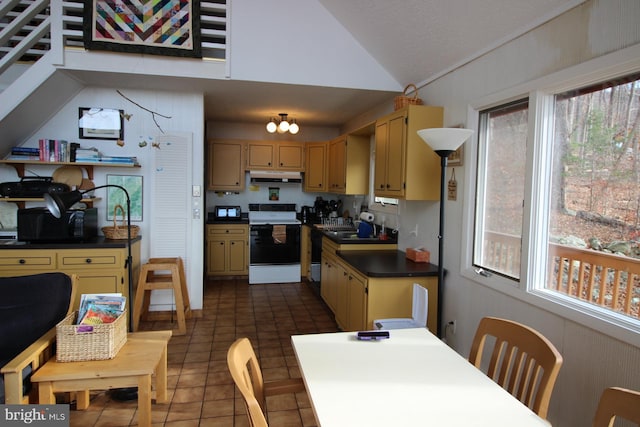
(119, 233)
(75, 343)
(403, 100)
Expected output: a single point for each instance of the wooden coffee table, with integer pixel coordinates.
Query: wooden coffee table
(144, 354)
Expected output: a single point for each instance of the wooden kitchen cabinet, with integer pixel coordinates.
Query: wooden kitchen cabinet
(226, 165)
(316, 175)
(227, 249)
(99, 270)
(349, 164)
(357, 299)
(406, 167)
(275, 155)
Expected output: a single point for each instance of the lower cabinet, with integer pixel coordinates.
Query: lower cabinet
(99, 270)
(357, 300)
(227, 249)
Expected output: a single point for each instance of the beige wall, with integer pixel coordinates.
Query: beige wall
(593, 360)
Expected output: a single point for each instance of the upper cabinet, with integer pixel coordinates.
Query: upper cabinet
(226, 165)
(349, 164)
(316, 167)
(406, 167)
(278, 155)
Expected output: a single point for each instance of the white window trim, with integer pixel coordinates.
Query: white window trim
(621, 62)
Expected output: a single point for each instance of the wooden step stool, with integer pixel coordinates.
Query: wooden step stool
(153, 275)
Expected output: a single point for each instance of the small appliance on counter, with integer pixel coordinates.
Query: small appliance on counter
(307, 215)
(227, 213)
(39, 225)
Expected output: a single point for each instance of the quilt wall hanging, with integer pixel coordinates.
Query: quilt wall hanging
(159, 27)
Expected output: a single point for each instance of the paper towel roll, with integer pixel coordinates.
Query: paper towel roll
(366, 216)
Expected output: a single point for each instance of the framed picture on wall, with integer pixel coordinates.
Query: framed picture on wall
(115, 196)
(100, 123)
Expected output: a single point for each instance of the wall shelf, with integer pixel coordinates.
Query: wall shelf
(19, 165)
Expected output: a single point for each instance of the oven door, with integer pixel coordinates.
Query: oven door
(273, 244)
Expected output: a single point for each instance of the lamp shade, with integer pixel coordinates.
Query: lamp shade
(444, 139)
(57, 203)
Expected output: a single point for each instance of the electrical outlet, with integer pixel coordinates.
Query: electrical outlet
(452, 326)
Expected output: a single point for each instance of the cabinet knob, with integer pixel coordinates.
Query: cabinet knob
(222, 243)
(22, 261)
(233, 243)
(88, 260)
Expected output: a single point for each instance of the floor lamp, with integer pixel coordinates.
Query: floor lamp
(443, 141)
(57, 204)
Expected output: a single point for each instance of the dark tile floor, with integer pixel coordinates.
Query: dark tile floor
(201, 390)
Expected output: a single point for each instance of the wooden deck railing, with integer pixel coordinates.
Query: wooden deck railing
(600, 278)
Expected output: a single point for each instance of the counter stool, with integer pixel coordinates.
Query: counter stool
(153, 276)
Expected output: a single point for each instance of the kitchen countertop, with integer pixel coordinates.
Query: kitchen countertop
(387, 264)
(98, 242)
(243, 221)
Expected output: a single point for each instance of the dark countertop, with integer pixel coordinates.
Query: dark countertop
(387, 264)
(243, 221)
(96, 243)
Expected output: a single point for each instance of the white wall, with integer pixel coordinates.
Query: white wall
(592, 361)
(294, 42)
(186, 114)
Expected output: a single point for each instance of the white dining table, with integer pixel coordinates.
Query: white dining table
(410, 379)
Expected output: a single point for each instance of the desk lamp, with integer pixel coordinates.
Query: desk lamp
(58, 203)
(443, 141)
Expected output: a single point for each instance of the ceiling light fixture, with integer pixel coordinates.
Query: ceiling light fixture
(283, 125)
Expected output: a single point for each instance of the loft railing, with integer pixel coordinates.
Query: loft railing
(29, 29)
(603, 279)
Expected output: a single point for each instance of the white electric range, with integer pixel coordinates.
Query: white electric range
(274, 243)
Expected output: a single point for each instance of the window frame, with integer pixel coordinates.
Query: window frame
(541, 93)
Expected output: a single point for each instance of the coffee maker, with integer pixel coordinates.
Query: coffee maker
(308, 215)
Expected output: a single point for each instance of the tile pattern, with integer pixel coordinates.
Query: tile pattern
(201, 390)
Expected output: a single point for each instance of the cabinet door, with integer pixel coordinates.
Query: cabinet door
(305, 251)
(237, 256)
(216, 256)
(342, 296)
(380, 163)
(226, 166)
(337, 171)
(328, 287)
(290, 156)
(260, 156)
(315, 176)
(357, 303)
(390, 160)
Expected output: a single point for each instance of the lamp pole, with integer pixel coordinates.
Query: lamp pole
(443, 141)
(129, 262)
(444, 154)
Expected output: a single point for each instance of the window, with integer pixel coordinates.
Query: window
(557, 212)
(594, 224)
(501, 187)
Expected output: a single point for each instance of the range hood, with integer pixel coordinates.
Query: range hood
(275, 176)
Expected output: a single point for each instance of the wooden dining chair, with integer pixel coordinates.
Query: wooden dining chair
(523, 361)
(617, 402)
(246, 373)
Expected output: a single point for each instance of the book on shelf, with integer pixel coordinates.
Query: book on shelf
(53, 150)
